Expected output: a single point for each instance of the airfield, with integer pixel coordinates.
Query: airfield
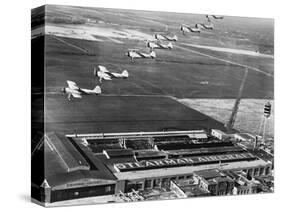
(209, 65)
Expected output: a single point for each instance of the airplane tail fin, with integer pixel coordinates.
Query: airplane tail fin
(170, 45)
(147, 43)
(198, 26)
(95, 72)
(97, 90)
(153, 54)
(125, 74)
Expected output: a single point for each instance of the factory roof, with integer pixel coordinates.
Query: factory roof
(245, 136)
(219, 131)
(186, 170)
(57, 176)
(70, 157)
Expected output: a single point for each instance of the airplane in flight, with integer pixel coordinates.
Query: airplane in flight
(204, 26)
(135, 53)
(187, 29)
(72, 90)
(159, 45)
(214, 16)
(165, 37)
(103, 73)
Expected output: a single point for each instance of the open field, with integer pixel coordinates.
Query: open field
(248, 118)
(177, 73)
(231, 32)
(104, 114)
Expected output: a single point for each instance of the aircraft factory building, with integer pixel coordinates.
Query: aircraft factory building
(88, 165)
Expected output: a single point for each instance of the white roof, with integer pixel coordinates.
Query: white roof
(219, 131)
(198, 135)
(185, 170)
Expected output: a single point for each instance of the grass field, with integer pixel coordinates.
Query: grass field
(104, 114)
(176, 73)
(248, 118)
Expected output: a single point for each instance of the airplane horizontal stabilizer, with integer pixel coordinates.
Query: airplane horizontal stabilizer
(97, 90)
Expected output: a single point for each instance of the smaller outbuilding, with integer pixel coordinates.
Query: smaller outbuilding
(219, 134)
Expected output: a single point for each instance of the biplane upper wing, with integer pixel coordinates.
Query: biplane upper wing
(72, 85)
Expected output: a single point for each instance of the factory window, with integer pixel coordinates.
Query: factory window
(267, 170)
(165, 183)
(156, 183)
(139, 186)
(129, 186)
(181, 177)
(147, 184)
(250, 171)
(256, 171)
(261, 170)
(92, 191)
(107, 189)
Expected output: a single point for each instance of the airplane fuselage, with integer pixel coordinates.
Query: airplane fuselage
(133, 55)
(153, 45)
(205, 26)
(78, 91)
(103, 73)
(188, 29)
(166, 37)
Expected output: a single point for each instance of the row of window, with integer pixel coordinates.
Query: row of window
(258, 171)
(75, 193)
(153, 183)
(247, 191)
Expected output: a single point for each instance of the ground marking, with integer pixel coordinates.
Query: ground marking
(69, 44)
(223, 60)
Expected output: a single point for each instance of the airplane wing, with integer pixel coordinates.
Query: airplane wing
(72, 85)
(75, 95)
(103, 69)
(143, 55)
(105, 76)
